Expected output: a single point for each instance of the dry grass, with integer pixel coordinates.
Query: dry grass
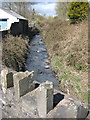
(67, 46)
(14, 51)
(70, 42)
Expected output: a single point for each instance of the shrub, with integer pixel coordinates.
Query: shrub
(38, 21)
(78, 11)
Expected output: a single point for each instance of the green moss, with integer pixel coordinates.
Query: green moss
(78, 88)
(77, 79)
(58, 63)
(86, 96)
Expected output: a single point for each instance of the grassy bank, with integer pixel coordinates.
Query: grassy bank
(67, 46)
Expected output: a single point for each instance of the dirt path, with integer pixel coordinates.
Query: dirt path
(38, 62)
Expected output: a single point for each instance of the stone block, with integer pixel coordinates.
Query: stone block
(23, 83)
(28, 103)
(69, 109)
(45, 98)
(6, 79)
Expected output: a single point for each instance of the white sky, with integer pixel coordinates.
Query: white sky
(45, 8)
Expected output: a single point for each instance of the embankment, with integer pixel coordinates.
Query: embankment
(67, 47)
(15, 50)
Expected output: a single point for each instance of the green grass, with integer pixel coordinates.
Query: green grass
(73, 81)
(58, 63)
(86, 96)
(78, 88)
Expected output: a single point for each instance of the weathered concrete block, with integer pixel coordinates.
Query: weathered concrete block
(28, 103)
(23, 83)
(69, 108)
(6, 79)
(45, 98)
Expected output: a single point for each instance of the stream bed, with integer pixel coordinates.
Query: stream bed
(38, 62)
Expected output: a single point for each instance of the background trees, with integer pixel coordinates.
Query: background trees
(75, 11)
(78, 11)
(61, 10)
(23, 8)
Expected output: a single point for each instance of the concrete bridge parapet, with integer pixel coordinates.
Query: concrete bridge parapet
(45, 98)
(42, 101)
(23, 83)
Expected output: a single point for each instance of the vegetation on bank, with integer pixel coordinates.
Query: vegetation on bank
(14, 51)
(78, 11)
(67, 47)
(75, 11)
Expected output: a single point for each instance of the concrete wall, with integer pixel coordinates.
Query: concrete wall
(23, 83)
(45, 98)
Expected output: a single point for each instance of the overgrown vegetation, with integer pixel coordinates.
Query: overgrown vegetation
(22, 8)
(61, 9)
(78, 11)
(15, 51)
(67, 46)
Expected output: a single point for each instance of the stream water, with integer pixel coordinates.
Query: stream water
(37, 62)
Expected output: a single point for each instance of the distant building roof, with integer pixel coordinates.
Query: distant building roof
(13, 13)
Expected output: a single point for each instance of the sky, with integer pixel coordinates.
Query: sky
(47, 8)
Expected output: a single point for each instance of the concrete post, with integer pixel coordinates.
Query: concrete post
(6, 79)
(23, 83)
(45, 98)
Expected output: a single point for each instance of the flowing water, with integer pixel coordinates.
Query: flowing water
(36, 62)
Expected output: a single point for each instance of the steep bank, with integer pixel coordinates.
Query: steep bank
(67, 46)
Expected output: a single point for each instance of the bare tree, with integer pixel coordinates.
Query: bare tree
(61, 9)
(22, 8)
